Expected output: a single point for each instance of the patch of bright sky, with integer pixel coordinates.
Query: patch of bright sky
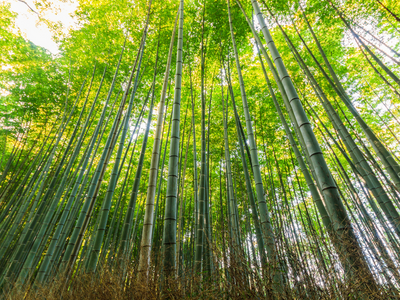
(36, 31)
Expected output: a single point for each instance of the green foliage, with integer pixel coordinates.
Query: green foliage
(38, 89)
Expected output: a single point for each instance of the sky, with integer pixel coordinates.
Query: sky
(37, 32)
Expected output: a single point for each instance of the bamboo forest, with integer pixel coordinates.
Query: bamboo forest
(202, 149)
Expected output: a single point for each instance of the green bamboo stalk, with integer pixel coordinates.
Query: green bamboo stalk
(264, 213)
(361, 164)
(124, 245)
(200, 236)
(334, 205)
(387, 160)
(250, 194)
(144, 258)
(169, 234)
(94, 255)
(231, 195)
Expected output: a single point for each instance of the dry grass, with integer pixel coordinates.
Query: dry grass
(239, 280)
(236, 282)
